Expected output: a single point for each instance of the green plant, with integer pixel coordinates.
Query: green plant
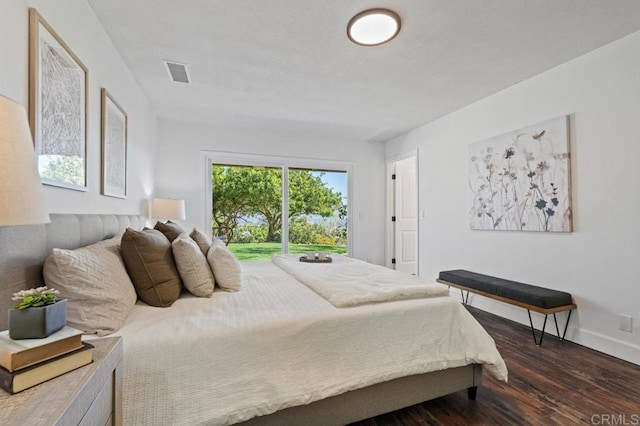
(35, 297)
(63, 168)
(240, 192)
(250, 234)
(324, 240)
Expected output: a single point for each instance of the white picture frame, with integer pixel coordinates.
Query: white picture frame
(114, 147)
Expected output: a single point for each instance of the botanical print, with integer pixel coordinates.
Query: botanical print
(114, 148)
(58, 85)
(519, 181)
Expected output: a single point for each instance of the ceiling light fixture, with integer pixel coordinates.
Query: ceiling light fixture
(373, 27)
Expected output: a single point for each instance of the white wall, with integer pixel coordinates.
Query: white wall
(180, 170)
(75, 22)
(599, 263)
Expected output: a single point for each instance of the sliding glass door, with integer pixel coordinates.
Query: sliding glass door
(247, 209)
(317, 211)
(262, 210)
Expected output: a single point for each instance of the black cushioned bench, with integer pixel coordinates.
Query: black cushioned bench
(530, 297)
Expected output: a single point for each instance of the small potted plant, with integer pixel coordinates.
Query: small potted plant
(37, 314)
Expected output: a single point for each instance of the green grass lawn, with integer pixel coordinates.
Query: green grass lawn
(246, 251)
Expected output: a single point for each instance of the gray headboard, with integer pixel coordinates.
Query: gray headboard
(23, 249)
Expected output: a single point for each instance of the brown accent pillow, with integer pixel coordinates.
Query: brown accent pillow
(149, 260)
(202, 240)
(170, 229)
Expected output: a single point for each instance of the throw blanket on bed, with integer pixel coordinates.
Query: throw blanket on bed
(348, 282)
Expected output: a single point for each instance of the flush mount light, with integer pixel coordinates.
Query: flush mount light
(373, 27)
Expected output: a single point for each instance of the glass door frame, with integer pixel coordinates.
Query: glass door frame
(284, 163)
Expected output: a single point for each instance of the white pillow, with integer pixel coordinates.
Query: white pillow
(95, 283)
(225, 266)
(192, 266)
(202, 239)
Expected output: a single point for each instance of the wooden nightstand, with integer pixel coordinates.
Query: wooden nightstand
(90, 395)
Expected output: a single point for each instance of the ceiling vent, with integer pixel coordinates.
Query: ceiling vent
(178, 72)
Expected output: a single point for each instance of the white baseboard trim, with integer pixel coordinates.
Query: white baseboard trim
(609, 345)
(590, 339)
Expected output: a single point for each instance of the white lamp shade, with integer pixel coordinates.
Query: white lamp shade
(21, 195)
(168, 208)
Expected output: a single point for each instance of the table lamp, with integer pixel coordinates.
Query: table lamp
(22, 203)
(168, 208)
(21, 196)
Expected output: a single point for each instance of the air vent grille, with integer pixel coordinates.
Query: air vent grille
(178, 72)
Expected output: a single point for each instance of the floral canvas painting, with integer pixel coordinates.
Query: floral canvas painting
(520, 181)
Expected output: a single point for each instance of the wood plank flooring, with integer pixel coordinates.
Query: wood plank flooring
(559, 383)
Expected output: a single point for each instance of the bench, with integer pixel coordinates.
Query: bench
(530, 297)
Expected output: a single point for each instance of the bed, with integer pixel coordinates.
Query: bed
(275, 352)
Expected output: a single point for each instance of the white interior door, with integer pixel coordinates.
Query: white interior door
(406, 215)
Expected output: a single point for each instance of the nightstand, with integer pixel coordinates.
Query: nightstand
(90, 395)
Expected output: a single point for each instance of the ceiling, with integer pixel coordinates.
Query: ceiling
(287, 65)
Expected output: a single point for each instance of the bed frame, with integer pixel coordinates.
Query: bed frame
(23, 250)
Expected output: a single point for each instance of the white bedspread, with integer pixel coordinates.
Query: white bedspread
(348, 282)
(276, 344)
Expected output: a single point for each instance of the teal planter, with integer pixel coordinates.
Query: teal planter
(36, 323)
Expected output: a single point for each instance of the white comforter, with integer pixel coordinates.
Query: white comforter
(349, 282)
(277, 344)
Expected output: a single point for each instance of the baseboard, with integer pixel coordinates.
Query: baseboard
(590, 339)
(608, 345)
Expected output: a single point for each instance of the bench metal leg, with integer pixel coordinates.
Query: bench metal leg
(464, 301)
(555, 320)
(567, 324)
(533, 330)
(564, 333)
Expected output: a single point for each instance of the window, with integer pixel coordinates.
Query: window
(246, 209)
(317, 213)
(262, 206)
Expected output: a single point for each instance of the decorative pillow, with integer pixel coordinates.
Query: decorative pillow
(192, 266)
(95, 283)
(170, 229)
(202, 239)
(148, 257)
(225, 266)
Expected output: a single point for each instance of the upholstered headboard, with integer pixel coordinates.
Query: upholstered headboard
(23, 249)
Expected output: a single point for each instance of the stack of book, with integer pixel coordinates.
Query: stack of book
(29, 362)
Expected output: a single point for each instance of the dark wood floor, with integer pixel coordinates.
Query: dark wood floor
(559, 383)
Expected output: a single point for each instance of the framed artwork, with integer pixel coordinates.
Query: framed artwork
(57, 107)
(114, 147)
(520, 181)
